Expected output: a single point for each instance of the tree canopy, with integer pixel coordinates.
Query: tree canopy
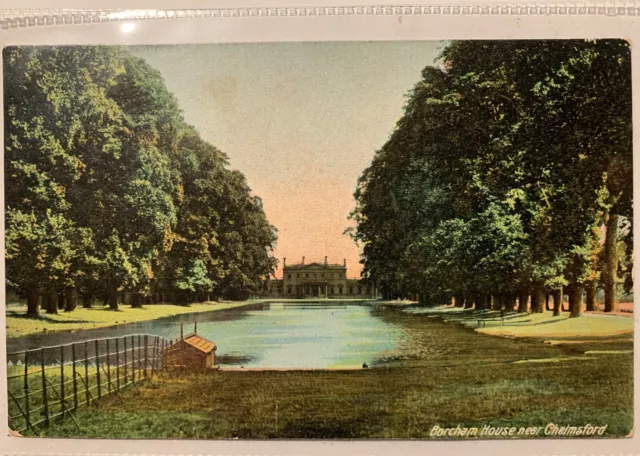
(507, 171)
(109, 193)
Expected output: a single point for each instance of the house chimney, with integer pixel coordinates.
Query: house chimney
(325, 261)
(284, 262)
(345, 262)
(181, 331)
(302, 260)
(195, 327)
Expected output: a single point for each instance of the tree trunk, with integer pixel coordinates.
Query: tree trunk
(136, 301)
(113, 297)
(497, 302)
(51, 303)
(32, 302)
(458, 300)
(87, 300)
(591, 295)
(575, 300)
(469, 300)
(511, 301)
(611, 264)
(69, 301)
(537, 298)
(557, 301)
(61, 299)
(523, 301)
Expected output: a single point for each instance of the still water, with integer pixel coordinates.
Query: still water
(300, 335)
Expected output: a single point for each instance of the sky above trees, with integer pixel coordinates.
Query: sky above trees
(300, 120)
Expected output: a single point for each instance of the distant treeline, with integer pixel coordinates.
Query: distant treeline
(110, 193)
(508, 178)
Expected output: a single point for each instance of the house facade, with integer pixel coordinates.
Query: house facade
(317, 280)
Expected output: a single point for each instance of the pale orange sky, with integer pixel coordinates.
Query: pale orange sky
(300, 120)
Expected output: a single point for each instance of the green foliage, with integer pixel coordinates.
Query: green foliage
(507, 160)
(109, 191)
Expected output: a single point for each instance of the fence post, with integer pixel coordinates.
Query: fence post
(117, 364)
(163, 345)
(124, 340)
(62, 407)
(26, 388)
(146, 354)
(139, 355)
(108, 368)
(44, 388)
(155, 355)
(133, 359)
(86, 371)
(75, 382)
(98, 369)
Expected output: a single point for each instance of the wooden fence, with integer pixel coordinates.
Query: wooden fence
(49, 383)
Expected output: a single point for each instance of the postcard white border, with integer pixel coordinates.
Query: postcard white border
(324, 28)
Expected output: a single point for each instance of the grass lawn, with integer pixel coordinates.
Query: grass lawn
(18, 324)
(543, 325)
(441, 374)
(548, 326)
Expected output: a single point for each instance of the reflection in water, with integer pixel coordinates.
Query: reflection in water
(300, 335)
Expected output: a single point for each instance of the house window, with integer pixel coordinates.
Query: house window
(350, 290)
(359, 290)
(289, 289)
(333, 290)
(322, 275)
(306, 275)
(289, 276)
(297, 276)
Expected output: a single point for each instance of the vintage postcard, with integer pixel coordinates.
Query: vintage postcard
(421, 238)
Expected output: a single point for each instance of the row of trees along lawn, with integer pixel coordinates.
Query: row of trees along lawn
(508, 178)
(109, 193)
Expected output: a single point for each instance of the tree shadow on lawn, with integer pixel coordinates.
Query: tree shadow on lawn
(44, 318)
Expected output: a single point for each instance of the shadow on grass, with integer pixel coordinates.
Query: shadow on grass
(44, 318)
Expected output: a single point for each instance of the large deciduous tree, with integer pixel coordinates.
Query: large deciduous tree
(110, 193)
(498, 177)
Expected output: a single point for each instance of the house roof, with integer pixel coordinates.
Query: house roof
(315, 266)
(200, 343)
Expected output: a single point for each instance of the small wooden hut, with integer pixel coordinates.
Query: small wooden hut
(190, 352)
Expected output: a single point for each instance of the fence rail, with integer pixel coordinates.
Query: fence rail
(50, 383)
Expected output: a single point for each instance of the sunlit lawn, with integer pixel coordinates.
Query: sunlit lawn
(18, 324)
(546, 325)
(543, 325)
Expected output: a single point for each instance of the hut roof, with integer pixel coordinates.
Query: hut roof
(200, 343)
